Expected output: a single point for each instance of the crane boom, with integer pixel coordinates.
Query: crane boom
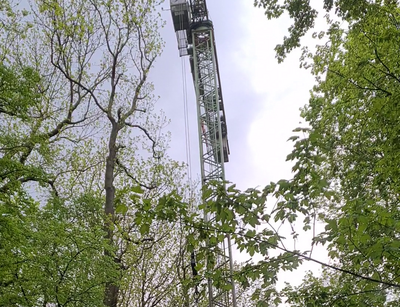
(195, 35)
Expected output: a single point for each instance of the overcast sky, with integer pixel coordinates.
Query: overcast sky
(262, 98)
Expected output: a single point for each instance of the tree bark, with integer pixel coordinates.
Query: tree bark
(112, 290)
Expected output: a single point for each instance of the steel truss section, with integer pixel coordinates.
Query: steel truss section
(199, 11)
(213, 143)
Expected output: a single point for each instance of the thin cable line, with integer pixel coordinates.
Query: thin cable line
(186, 119)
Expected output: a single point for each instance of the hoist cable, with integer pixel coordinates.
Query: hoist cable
(186, 118)
(187, 144)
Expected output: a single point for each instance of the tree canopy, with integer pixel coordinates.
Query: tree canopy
(346, 166)
(94, 212)
(303, 13)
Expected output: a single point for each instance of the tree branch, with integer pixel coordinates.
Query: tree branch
(149, 137)
(296, 253)
(126, 171)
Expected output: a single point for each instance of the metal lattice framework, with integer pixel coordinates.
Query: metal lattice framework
(213, 145)
(206, 85)
(213, 141)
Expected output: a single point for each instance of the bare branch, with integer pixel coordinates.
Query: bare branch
(148, 136)
(126, 171)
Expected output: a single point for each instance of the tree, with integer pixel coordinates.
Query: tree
(304, 15)
(52, 256)
(248, 218)
(76, 95)
(75, 165)
(331, 289)
(346, 166)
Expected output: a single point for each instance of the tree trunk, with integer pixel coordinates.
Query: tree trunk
(111, 291)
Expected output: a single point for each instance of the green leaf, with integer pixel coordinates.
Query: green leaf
(121, 209)
(144, 229)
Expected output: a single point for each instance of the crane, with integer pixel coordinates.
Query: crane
(195, 36)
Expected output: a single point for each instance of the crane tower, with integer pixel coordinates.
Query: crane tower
(195, 35)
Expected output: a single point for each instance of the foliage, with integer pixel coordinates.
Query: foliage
(304, 15)
(248, 218)
(85, 140)
(346, 165)
(52, 255)
(92, 209)
(18, 95)
(18, 91)
(71, 99)
(331, 289)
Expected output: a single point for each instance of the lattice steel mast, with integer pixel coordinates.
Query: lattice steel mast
(195, 35)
